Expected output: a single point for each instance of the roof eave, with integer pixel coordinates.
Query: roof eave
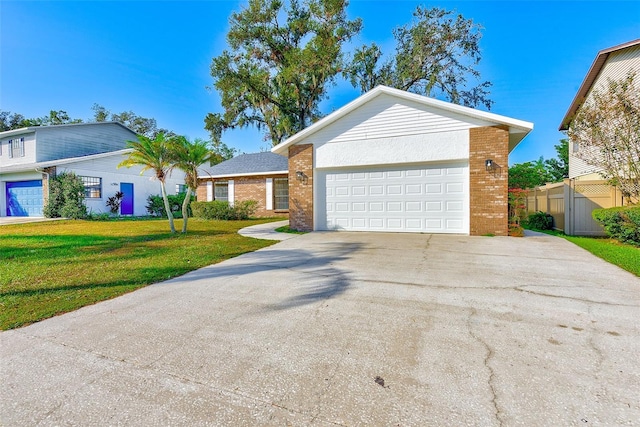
(60, 162)
(515, 126)
(236, 175)
(589, 79)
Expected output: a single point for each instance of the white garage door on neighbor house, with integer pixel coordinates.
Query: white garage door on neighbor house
(426, 198)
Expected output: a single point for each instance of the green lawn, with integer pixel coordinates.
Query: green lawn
(621, 254)
(610, 250)
(54, 267)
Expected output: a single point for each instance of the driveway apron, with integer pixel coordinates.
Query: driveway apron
(346, 329)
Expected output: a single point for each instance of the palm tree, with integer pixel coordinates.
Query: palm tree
(188, 157)
(153, 154)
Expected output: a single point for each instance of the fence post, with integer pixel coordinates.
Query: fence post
(568, 207)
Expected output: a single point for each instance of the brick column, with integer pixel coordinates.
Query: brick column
(49, 173)
(301, 190)
(488, 198)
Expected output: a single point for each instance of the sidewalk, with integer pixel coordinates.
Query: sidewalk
(267, 231)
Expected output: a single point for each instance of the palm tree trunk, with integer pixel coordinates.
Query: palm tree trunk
(185, 209)
(167, 208)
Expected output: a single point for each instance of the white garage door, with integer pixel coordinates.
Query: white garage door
(426, 198)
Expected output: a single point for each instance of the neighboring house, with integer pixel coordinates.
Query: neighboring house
(30, 156)
(613, 63)
(262, 177)
(395, 161)
(585, 190)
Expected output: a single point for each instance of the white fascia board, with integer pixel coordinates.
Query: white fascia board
(15, 132)
(518, 127)
(60, 162)
(235, 175)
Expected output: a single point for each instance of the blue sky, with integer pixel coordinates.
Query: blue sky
(153, 57)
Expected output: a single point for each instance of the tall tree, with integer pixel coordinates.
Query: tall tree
(606, 129)
(282, 56)
(140, 125)
(153, 154)
(558, 168)
(436, 55)
(188, 157)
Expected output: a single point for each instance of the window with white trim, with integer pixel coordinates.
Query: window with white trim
(221, 191)
(16, 147)
(281, 194)
(181, 188)
(92, 187)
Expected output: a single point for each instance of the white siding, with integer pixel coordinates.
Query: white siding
(383, 117)
(106, 168)
(29, 151)
(616, 67)
(427, 147)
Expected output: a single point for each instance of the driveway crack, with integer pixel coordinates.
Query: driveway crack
(489, 353)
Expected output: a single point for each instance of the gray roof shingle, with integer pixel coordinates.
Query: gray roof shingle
(253, 163)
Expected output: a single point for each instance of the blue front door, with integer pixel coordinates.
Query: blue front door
(24, 198)
(126, 206)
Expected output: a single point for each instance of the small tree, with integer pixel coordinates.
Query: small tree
(606, 130)
(153, 154)
(188, 157)
(66, 197)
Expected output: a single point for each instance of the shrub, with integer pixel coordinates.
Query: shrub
(622, 223)
(222, 210)
(539, 221)
(517, 205)
(155, 205)
(114, 202)
(66, 197)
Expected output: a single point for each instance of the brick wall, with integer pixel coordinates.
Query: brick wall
(255, 188)
(301, 191)
(488, 190)
(246, 188)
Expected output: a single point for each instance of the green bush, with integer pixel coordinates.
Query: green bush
(66, 197)
(622, 223)
(539, 221)
(222, 210)
(155, 205)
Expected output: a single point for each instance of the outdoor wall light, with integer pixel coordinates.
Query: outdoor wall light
(300, 175)
(489, 165)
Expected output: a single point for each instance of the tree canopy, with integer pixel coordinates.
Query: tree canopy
(435, 55)
(283, 55)
(532, 174)
(281, 59)
(188, 157)
(10, 121)
(606, 131)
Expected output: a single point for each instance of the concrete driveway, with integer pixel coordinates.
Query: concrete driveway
(346, 329)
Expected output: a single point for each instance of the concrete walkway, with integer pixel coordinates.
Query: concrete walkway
(267, 231)
(346, 329)
(8, 220)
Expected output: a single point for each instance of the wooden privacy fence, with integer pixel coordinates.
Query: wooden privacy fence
(571, 202)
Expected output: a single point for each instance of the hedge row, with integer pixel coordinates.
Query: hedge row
(222, 210)
(622, 223)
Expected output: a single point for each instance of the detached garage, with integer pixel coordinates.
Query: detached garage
(400, 162)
